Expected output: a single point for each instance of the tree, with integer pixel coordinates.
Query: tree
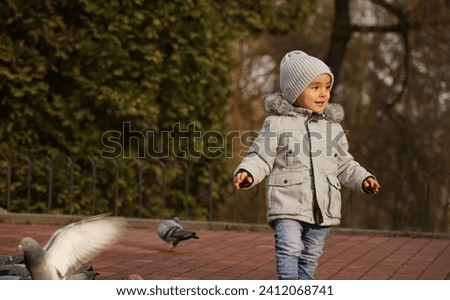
(390, 61)
(399, 50)
(114, 79)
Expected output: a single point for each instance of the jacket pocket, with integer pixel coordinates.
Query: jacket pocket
(286, 179)
(334, 197)
(286, 193)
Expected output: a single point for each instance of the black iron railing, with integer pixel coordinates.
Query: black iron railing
(414, 200)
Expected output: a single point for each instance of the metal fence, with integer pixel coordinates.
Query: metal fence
(91, 165)
(414, 200)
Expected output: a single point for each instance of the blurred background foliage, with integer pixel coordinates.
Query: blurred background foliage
(391, 61)
(109, 85)
(72, 73)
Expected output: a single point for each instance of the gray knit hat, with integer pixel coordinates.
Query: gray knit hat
(297, 71)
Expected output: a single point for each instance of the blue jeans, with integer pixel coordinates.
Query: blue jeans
(298, 246)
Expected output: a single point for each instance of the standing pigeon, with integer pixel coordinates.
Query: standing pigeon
(172, 232)
(9, 260)
(19, 271)
(14, 271)
(71, 246)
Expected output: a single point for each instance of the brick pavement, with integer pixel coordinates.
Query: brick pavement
(236, 254)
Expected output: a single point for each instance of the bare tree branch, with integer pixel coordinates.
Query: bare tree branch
(379, 29)
(393, 10)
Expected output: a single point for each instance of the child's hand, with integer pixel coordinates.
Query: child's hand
(242, 180)
(371, 185)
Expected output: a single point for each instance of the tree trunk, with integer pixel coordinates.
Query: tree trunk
(340, 36)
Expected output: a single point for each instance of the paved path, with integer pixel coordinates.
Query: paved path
(223, 254)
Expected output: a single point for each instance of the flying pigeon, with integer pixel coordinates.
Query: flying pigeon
(172, 232)
(71, 246)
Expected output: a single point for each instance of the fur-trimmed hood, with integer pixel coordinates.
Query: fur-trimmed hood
(275, 104)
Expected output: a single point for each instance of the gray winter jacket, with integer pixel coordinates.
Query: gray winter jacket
(305, 158)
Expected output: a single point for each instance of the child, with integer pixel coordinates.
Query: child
(303, 150)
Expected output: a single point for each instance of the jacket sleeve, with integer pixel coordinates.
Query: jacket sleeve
(350, 173)
(262, 153)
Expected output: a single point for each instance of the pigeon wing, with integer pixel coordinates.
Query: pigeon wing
(166, 228)
(77, 243)
(183, 234)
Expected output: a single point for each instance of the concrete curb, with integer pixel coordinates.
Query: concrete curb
(391, 233)
(27, 218)
(53, 219)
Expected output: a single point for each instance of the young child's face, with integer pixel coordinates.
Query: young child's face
(316, 95)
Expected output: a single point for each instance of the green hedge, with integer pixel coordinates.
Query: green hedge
(72, 71)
